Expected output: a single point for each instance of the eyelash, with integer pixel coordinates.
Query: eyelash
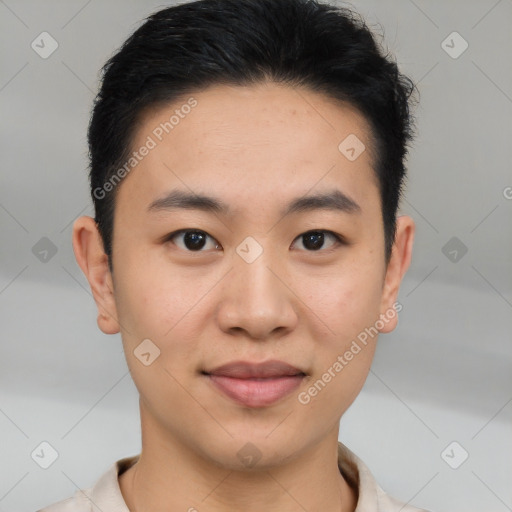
(339, 239)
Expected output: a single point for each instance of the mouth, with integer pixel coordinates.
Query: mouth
(255, 384)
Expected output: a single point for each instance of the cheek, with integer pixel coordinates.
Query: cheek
(345, 301)
(163, 306)
(157, 310)
(346, 306)
(151, 297)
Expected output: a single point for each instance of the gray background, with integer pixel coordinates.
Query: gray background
(443, 375)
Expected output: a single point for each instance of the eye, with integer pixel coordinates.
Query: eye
(314, 240)
(193, 240)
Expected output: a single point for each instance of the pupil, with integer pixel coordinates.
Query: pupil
(317, 239)
(194, 240)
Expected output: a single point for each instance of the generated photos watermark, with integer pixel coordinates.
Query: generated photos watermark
(357, 345)
(157, 135)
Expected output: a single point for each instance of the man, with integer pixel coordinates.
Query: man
(247, 160)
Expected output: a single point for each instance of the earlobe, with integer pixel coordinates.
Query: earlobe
(91, 258)
(399, 263)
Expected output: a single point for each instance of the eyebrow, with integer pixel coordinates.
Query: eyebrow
(331, 200)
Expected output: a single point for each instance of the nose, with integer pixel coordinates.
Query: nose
(257, 299)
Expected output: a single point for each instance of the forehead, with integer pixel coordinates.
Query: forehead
(256, 142)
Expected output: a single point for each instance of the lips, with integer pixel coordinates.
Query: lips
(256, 384)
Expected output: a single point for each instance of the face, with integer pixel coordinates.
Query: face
(253, 279)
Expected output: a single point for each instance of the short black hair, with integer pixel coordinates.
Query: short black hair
(301, 43)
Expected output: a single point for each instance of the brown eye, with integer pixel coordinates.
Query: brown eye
(192, 240)
(316, 240)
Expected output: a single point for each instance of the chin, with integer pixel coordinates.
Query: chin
(259, 450)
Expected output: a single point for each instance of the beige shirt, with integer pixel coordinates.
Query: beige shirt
(105, 495)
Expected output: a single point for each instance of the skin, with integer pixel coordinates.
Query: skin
(204, 309)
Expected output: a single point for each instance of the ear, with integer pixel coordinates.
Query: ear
(399, 262)
(91, 257)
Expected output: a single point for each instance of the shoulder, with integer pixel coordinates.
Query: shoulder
(76, 503)
(105, 495)
(390, 504)
(371, 497)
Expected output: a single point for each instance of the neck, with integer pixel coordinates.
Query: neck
(169, 476)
